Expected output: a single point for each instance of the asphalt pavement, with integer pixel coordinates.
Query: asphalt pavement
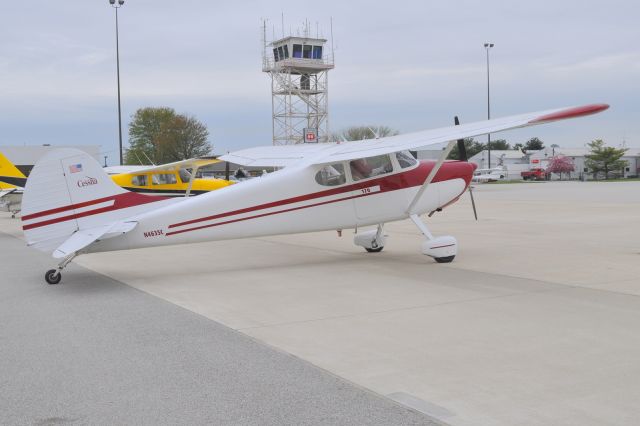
(95, 351)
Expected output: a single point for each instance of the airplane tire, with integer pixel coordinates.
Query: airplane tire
(374, 250)
(53, 276)
(446, 259)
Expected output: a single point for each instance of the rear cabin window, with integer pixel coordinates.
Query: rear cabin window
(164, 179)
(139, 180)
(405, 159)
(369, 167)
(331, 175)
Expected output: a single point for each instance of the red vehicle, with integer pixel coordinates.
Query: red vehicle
(534, 174)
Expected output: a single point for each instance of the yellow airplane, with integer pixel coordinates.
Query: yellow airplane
(172, 179)
(12, 183)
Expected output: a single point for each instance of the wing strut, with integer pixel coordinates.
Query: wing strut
(432, 174)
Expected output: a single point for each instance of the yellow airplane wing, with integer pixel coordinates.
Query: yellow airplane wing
(10, 176)
(170, 179)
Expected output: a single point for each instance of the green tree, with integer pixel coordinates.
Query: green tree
(160, 135)
(499, 144)
(604, 159)
(472, 146)
(534, 144)
(358, 133)
(183, 137)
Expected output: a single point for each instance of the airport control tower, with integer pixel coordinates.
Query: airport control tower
(298, 67)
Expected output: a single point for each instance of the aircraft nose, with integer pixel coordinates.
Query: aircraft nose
(460, 170)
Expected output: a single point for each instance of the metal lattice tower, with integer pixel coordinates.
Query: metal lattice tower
(298, 67)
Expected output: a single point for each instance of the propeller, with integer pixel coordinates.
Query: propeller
(462, 155)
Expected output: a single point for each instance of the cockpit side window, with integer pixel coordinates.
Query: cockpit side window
(405, 159)
(331, 175)
(139, 180)
(164, 179)
(364, 168)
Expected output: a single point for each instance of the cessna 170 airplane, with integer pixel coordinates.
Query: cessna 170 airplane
(71, 207)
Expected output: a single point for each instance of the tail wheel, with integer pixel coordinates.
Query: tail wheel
(374, 250)
(53, 276)
(447, 259)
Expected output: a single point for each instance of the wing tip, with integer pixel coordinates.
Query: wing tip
(574, 112)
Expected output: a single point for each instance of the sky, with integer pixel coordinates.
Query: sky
(409, 65)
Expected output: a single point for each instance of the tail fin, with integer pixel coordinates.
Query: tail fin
(10, 176)
(68, 191)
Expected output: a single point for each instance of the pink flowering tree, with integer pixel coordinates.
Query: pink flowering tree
(560, 164)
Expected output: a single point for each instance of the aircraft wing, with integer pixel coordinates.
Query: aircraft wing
(282, 156)
(85, 237)
(184, 164)
(7, 191)
(275, 156)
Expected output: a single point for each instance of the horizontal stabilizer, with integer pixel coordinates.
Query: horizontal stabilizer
(83, 238)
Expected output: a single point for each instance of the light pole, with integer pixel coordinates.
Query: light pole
(488, 46)
(116, 7)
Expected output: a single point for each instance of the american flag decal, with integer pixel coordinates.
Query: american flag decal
(75, 168)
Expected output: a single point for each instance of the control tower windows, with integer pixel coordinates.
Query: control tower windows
(276, 56)
(286, 51)
(317, 52)
(306, 51)
(297, 51)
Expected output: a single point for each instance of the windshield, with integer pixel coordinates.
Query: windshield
(185, 176)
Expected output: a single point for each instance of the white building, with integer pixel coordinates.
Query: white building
(26, 156)
(578, 156)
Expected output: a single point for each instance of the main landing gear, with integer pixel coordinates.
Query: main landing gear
(442, 249)
(53, 276)
(373, 241)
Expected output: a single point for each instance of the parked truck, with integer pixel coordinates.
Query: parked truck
(534, 174)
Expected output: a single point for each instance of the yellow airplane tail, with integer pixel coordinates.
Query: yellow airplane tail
(10, 176)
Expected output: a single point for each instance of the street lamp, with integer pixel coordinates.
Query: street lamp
(116, 7)
(488, 46)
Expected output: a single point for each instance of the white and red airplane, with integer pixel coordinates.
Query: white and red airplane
(71, 206)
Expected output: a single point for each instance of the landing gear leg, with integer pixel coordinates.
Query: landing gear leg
(53, 276)
(442, 249)
(373, 241)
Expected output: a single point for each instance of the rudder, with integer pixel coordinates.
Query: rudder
(68, 191)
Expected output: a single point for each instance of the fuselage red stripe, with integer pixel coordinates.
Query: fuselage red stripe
(270, 213)
(67, 208)
(121, 201)
(402, 180)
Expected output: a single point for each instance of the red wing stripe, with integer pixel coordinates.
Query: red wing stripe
(269, 214)
(571, 113)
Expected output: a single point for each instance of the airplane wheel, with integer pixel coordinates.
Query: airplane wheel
(374, 250)
(53, 276)
(446, 259)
